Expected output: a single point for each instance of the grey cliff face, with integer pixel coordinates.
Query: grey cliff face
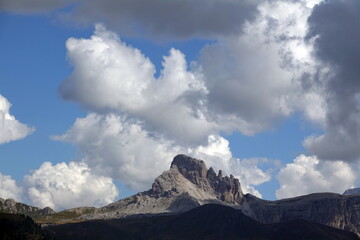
(330, 209)
(226, 189)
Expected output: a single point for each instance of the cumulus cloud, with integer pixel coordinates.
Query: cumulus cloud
(113, 146)
(334, 29)
(307, 174)
(63, 186)
(110, 76)
(10, 128)
(247, 83)
(217, 154)
(9, 188)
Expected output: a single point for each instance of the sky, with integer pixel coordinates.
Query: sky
(97, 97)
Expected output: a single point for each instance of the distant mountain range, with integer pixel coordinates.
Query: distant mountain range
(188, 184)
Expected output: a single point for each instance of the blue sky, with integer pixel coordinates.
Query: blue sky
(255, 98)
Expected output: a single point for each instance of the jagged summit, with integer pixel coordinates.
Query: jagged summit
(205, 183)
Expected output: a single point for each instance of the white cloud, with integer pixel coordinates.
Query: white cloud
(10, 128)
(256, 74)
(63, 186)
(112, 76)
(9, 188)
(307, 174)
(253, 77)
(244, 83)
(217, 154)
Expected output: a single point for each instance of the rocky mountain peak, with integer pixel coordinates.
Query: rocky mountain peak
(192, 169)
(187, 184)
(226, 189)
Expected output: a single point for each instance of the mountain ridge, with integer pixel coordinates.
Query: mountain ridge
(12, 206)
(189, 184)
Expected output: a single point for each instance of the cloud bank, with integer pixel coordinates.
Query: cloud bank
(247, 82)
(10, 128)
(114, 146)
(9, 188)
(307, 174)
(64, 186)
(121, 80)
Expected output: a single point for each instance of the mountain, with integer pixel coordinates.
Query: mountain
(352, 191)
(189, 184)
(186, 185)
(211, 221)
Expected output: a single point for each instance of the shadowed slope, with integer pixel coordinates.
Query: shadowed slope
(211, 221)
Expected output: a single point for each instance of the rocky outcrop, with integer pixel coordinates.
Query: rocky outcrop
(352, 191)
(187, 184)
(331, 209)
(11, 206)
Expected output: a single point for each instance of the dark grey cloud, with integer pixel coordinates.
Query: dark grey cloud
(32, 6)
(176, 18)
(335, 28)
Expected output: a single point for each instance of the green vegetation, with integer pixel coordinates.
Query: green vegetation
(66, 216)
(20, 227)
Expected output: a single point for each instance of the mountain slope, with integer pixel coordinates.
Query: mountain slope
(15, 227)
(212, 221)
